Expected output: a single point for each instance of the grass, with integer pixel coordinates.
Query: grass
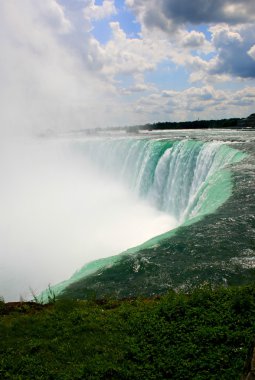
(203, 335)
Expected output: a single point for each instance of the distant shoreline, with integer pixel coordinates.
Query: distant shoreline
(232, 123)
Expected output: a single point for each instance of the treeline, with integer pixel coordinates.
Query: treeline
(197, 124)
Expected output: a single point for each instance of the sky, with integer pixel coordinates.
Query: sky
(71, 64)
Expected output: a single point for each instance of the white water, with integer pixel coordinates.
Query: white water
(58, 213)
(171, 175)
(187, 179)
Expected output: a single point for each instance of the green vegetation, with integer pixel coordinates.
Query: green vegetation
(200, 124)
(202, 335)
(196, 124)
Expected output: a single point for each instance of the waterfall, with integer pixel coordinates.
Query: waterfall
(187, 179)
(177, 177)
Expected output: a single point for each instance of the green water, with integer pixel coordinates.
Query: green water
(187, 179)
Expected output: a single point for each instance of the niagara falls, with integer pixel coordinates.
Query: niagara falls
(182, 181)
(127, 189)
(97, 197)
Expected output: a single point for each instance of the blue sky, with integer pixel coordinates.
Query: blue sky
(181, 48)
(131, 61)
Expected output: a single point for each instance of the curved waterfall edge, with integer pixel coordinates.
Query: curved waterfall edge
(208, 199)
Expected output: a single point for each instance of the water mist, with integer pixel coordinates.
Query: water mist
(58, 212)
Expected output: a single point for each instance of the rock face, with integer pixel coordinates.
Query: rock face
(249, 122)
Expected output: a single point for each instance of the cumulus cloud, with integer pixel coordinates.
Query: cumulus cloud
(57, 74)
(217, 11)
(124, 55)
(197, 102)
(234, 47)
(99, 12)
(231, 49)
(194, 40)
(168, 14)
(251, 52)
(133, 57)
(231, 34)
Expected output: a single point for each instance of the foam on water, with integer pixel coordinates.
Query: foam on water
(186, 179)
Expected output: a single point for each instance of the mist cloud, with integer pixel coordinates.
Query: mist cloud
(54, 215)
(45, 84)
(58, 213)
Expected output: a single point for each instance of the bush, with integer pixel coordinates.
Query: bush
(202, 335)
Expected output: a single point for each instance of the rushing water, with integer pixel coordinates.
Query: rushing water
(58, 212)
(176, 177)
(188, 177)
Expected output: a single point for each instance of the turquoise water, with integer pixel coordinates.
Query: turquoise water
(187, 179)
(183, 178)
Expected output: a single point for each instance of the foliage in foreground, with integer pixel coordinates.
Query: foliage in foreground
(204, 335)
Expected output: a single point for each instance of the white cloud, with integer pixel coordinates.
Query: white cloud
(194, 39)
(197, 102)
(232, 45)
(56, 74)
(99, 12)
(251, 52)
(224, 36)
(231, 28)
(132, 56)
(231, 48)
(124, 55)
